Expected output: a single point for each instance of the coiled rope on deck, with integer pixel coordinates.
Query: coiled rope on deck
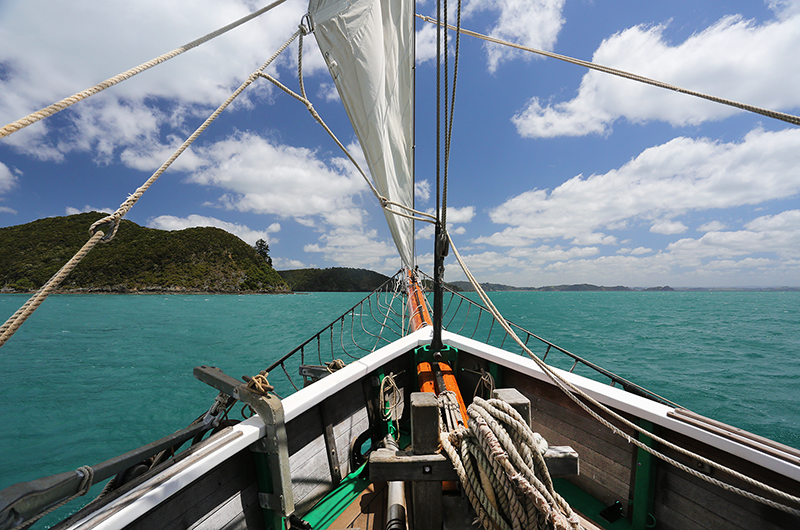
(583, 400)
(500, 463)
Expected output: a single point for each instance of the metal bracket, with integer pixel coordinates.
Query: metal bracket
(274, 445)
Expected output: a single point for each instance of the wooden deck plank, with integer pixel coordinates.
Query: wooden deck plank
(366, 512)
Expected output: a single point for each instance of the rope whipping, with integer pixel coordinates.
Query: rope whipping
(583, 400)
(75, 98)
(788, 118)
(97, 235)
(499, 461)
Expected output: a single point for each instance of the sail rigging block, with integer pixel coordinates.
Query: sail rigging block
(368, 46)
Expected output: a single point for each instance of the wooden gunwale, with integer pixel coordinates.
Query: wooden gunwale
(606, 460)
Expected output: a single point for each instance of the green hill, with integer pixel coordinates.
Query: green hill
(138, 259)
(333, 279)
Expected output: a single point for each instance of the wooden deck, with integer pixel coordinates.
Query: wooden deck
(365, 513)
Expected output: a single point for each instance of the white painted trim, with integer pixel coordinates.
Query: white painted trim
(140, 500)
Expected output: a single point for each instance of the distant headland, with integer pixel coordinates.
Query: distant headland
(137, 260)
(193, 260)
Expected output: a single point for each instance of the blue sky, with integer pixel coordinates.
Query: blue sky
(557, 175)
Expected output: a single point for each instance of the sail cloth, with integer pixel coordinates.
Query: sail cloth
(368, 46)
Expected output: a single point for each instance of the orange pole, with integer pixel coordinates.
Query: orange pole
(417, 310)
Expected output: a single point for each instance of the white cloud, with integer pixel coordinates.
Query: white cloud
(291, 182)
(7, 179)
(734, 58)
(661, 183)
(72, 211)
(250, 236)
(87, 44)
(668, 227)
(455, 216)
(533, 23)
(425, 46)
(354, 247)
(282, 264)
(422, 190)
(711, 226)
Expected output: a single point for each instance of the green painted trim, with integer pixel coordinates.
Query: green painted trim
(496, 371)
(272, 521)
(589, 506)
(644, 489)
(325, 512)
(425, 354)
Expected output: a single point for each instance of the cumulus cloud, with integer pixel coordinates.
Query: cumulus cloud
(668, 227)
(245, 233)
(455, 217)
(712, 226)
(533, 23)
(662, 183)
(263, 177)
(85, 44)
(734, 58)
(422, 190)
(354, 247)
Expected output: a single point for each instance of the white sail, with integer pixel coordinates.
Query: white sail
(368, 46)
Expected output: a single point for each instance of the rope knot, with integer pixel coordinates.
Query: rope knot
(113, 220)
(259, 384)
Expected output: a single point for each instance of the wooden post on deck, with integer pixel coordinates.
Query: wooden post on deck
(426, 497)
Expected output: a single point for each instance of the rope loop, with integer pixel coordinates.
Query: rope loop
(259, 384)
(306, 26)
(113, 220)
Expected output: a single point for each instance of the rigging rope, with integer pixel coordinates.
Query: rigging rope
(17, 319)
(788, 118)
(75, 98)
(384, 202)
(574, 393)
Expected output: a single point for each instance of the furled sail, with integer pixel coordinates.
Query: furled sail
(368, 46)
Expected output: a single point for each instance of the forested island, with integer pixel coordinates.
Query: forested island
(339, 279)
(138, 259)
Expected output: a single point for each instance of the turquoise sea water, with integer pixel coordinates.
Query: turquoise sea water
(89, 377)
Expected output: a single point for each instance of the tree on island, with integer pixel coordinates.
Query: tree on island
(262, 249)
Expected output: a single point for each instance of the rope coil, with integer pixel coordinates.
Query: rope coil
(583, 400)
(500, 464)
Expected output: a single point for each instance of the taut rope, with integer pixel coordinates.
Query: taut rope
(581, 399)
(788, 118)
(17, 319)
(66, 102)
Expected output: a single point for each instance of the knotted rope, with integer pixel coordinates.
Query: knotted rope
(259, 384)
(500, 464)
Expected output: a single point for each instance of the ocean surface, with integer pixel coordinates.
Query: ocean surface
(89, 377)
